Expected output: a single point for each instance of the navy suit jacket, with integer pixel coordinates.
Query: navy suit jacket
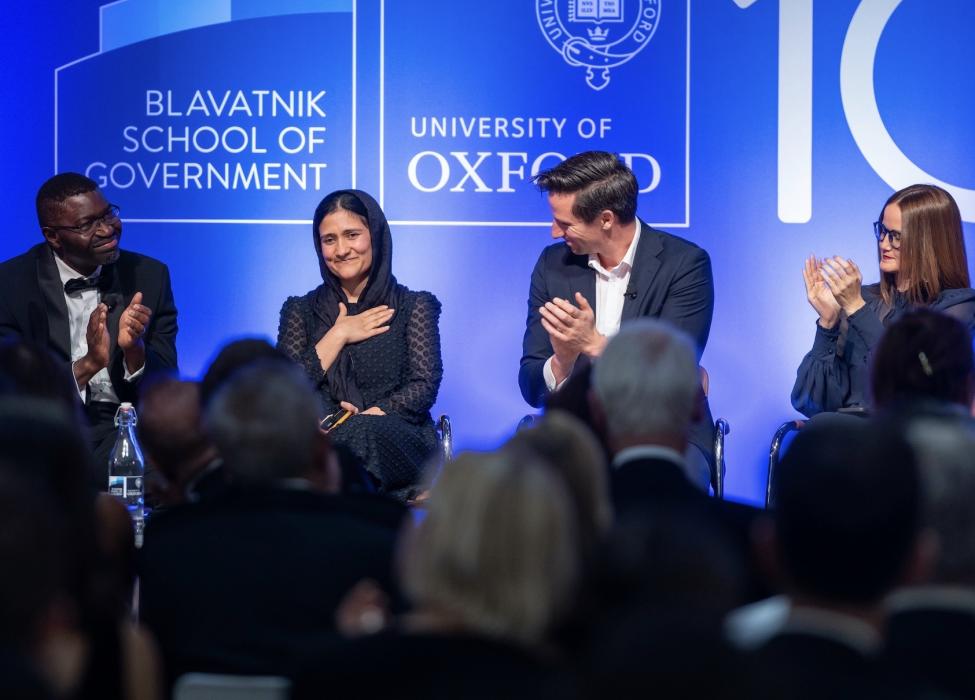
(671, 278)
(32, 307)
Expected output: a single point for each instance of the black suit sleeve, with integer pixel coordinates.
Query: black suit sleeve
(161, 348)
(160, 336)
(536, 347)
(690, 299)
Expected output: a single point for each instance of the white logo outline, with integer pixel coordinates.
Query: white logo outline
(590, 51)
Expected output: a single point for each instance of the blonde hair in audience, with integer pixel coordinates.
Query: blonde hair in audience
(497, 549)
(571, 449)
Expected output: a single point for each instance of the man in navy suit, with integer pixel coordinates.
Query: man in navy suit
(611, 268)
(108, 312)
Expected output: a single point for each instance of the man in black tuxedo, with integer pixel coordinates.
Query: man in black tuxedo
(108, 312)
(612, 268)
(845, 531)
(248, 582)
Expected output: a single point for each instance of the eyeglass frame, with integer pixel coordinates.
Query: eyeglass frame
(880, 231)
(109, 215)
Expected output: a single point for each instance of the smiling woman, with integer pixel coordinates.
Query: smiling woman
(369, 345)
(922, 261)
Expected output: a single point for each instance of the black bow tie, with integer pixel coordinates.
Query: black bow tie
(80, 284)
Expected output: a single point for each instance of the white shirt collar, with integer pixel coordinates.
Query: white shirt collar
(67, 273)
(954, 598)
(625, 265)
(829, 624)
(628, 454)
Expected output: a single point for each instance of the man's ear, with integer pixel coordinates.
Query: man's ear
(606, 219)
(52, 237)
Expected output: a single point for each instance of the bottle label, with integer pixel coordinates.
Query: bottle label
(125, 487)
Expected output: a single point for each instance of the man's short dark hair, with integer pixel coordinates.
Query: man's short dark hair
(57, 189)
(232, 357)
(599, 180)
(847, 510)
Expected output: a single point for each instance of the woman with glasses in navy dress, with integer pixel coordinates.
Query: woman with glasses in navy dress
(921, 250)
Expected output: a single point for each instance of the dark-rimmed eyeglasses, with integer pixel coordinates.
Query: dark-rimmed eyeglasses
(880, 231)
(109, 216)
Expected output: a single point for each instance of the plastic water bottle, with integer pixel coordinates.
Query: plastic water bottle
(126, 469)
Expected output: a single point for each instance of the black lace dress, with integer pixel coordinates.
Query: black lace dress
(398, 371)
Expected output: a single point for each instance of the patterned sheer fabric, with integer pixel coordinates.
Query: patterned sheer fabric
(398, 371)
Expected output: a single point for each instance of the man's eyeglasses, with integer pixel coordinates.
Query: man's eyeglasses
(109, 216)
(879, 230)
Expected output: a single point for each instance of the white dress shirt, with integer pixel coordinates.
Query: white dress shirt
(80, 307)
(611, 286)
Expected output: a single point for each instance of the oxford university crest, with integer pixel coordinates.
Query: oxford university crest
(598, 35)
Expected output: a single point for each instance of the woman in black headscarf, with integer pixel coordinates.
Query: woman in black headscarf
(369, 345)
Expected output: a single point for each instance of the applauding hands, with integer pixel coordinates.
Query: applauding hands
(572, 331)
(131, 330)
(833, 284)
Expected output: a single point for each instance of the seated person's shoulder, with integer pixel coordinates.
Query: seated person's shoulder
(128, 258)
(675, 245)
(298, 306)
(420, 300)
(870, 292)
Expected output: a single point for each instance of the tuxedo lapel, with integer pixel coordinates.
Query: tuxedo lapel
(59, 334)
(646, 264)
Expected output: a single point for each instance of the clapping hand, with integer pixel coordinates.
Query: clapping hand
(572, 331)
(96, 336)
(132, 327)
(844, 280)
(133, 323)
(819, 294)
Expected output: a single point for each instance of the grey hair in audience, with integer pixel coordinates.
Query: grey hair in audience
(497, 550)
(264, 421)
(945, 450)
(647, 380)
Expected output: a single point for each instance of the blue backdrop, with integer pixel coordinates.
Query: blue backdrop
(763, 131)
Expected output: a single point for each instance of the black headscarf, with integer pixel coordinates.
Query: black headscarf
(381, 288)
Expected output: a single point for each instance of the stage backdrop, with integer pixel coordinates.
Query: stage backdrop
(763, 131)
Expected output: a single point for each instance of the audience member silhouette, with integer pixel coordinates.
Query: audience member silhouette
(245, 583)
(570, 448)
(489, 570)
(845, 532)
(182, 464)
(924, 362)
(932, 626)
(40, 442)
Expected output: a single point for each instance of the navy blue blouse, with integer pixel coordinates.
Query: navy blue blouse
(835, 373)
